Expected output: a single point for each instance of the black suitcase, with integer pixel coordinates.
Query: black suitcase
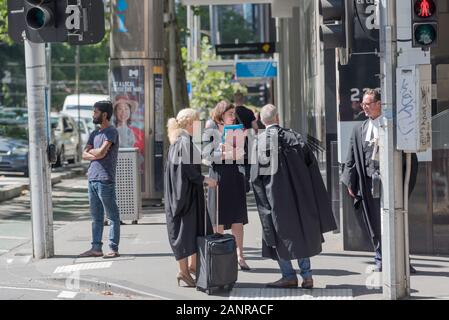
(216, 267)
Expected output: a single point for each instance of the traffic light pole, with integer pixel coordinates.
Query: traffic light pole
(39, 168)
(395, 258)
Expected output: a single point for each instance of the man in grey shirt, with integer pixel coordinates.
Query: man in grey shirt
(102, 151)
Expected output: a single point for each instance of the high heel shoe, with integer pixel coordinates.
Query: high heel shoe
(187, 279)
(192, 271)
(243, 266)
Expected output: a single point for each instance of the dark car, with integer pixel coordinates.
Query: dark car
(14, 147)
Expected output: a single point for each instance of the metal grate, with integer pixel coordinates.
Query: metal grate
(290, 294)
(128, 185)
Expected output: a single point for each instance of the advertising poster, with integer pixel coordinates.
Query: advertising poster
(128, 98)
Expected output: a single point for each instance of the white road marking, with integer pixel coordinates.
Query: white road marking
(27, 289)
(67, 294)
(83, 266)
(12, 238)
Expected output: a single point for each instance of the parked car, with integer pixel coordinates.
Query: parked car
(86, 126)
(66, 138)
(86, 103)
(14, 146)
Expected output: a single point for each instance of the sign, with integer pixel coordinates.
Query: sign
(256, 69)
(128, 97)
(414, 108)
(245, 48)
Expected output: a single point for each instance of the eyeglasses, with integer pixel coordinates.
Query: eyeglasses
(367, 104)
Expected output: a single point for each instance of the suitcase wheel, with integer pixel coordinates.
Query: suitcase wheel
(228, 287)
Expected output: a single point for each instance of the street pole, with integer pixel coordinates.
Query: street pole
(394, 255)
(173, 66)
(77, 85)
(39, 168)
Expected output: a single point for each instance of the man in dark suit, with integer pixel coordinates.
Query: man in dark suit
(362, 171)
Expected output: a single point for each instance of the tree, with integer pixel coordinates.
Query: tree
(209, 88)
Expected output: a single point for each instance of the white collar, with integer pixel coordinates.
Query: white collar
(271, 125)
(373, 130)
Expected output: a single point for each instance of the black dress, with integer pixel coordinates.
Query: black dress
(231, 179)
(184, 198)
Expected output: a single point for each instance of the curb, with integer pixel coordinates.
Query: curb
(11, 192)
(102, 287)
(14, 191)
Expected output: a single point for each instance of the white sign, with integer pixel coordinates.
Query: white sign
(414, 108)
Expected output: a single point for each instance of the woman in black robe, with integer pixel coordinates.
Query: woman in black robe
(184, 194)
(227, 168)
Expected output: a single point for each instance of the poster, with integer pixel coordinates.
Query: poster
(128, 98)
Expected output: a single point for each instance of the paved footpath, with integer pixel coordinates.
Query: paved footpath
(147, 268)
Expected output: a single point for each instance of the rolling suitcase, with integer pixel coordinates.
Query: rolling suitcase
(216, 260)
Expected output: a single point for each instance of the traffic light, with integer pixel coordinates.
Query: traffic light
(424, 23)
(73, 21)
(337, 29)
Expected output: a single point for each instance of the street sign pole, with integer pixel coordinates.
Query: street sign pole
(394, 255)
(39, 168)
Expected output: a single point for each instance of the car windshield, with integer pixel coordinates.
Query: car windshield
(70, 107)
(14, 130)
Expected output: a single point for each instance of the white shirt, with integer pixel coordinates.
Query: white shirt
(373, 130)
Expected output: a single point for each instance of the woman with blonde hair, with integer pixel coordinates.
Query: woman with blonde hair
(184, 194)
(225, 168)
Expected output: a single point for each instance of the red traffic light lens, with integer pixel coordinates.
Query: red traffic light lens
(425, 8)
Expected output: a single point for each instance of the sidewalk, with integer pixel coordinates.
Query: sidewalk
(147, 268)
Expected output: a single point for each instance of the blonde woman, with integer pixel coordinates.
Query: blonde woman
(184, 194)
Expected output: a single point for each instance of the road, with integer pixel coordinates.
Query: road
(69, 204)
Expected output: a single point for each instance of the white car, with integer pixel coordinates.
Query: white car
(84, 101)
(66, 138)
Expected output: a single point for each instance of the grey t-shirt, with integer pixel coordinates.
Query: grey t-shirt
(104, 169)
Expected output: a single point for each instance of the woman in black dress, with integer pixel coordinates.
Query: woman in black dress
(184, 194)
(227, 168)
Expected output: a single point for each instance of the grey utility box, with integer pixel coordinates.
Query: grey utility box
(127, 185)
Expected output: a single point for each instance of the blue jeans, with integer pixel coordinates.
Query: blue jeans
(102, 199)
(290, 274)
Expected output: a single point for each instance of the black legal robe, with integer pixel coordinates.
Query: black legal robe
(293, 204)
(184, 197)
(356, 177)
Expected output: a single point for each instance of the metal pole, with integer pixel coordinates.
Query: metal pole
(77, 86)
(393, 244)
(173, 75)
(39, 168)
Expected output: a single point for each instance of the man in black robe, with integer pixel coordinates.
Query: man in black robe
(293, 204)
(362, 172)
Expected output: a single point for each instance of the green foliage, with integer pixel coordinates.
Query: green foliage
(209, 88)
(4, 22)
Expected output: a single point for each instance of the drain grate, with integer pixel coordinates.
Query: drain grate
(290, 294)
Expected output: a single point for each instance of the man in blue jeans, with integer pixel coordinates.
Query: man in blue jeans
(293, 204)
(102, 151)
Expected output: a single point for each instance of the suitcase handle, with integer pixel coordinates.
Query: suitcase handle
(205, 207)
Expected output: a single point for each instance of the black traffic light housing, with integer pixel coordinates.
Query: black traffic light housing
(337, 29)
(45, 20)
(52, 21)
(425, 23)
